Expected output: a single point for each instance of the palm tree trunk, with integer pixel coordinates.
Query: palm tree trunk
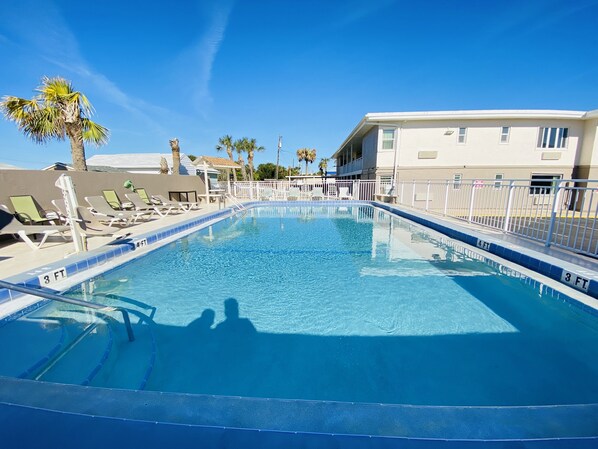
(230, 156)
(75, 134)
(306, 161)
(250, 162)
(241, 162)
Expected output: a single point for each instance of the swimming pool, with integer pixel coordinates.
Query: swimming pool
(347, 304)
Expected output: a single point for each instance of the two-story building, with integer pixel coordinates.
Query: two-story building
(492, 144)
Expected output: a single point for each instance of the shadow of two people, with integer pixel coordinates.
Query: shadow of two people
(232, 325)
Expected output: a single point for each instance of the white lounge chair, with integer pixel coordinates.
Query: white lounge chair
(89, 224)
(184, 206)
(101, 207)
(343, 193)
(267, 194)
(10, 225)
(139, 204)
(317, 193)
(293, 194)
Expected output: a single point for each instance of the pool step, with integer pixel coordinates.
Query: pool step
(81, 360)
(29, 342)
(130, 363)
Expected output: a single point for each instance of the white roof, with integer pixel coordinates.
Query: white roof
(9, 167)
(149, 161)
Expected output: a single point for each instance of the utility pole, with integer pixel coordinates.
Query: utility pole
(278, 156)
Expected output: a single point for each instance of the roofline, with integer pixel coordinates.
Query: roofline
(376, 118)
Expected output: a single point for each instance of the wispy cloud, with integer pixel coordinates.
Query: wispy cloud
(530, 17)
(198, 59)
(356, 11)
(54, 42)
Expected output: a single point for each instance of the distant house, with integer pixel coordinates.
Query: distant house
(9, 167)
(217, 163)
(58, 166)
(138, 163)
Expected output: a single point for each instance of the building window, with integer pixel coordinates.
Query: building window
(543, 184)
(462, 135)
(388, 139)
(553, 137)
(457, 178)
(504, 134)
(498, 180)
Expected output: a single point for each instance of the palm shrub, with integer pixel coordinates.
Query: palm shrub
(57, 112)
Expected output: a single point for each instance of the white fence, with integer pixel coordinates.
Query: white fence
(556, 212)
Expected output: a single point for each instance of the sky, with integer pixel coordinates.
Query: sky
(306, 70)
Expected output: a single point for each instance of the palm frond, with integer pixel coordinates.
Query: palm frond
(94, 133)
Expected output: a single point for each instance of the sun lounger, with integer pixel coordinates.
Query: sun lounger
(267, 194)
(28, 211)
(101, 207)
(139, 204)
(89, 224)
(293, 194)
(317, 193)
(184, 206)
(145, 197)
(10, 225)
(112, 199)
(343, 193)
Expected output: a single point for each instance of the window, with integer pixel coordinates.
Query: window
(542, 184)
(388, 139)
(457, 178)
(504, 134)
(462, 135)
(498, 180)
(553, 137)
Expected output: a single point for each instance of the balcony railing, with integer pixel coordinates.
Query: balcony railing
(350, 168)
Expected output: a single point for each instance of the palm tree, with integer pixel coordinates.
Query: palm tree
(176, 156)
(57, 112)
(306, 154)
(226, 143)
(241, 146)
(323, 165)
(251, 149)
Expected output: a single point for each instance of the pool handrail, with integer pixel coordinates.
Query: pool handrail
(77, 302)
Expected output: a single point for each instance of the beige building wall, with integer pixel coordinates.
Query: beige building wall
(40, 184)
(587, 161)
(435, 144)
(427, 145)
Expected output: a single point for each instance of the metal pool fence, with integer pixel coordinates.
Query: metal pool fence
(556, 212)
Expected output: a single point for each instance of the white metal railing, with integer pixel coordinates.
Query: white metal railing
(561, 213)
(351, 167)
(556, 212)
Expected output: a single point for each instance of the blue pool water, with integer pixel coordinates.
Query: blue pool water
(347, 304)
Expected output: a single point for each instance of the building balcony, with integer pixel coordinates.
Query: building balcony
(351, 168)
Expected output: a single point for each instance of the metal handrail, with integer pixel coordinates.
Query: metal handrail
(235, 201)
(76, 302)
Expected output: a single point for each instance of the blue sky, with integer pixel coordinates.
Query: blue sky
(306, 70)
